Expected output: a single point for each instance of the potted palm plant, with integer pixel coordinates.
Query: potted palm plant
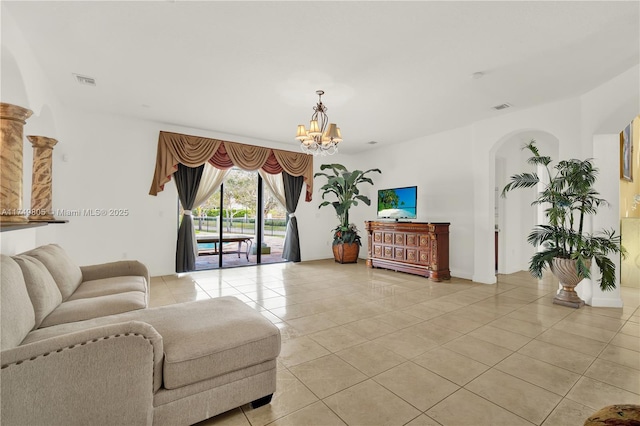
(343, 186)
(565, 248)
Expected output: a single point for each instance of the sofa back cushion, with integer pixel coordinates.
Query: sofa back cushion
(43, 291)
(64, 271)
(17, 318)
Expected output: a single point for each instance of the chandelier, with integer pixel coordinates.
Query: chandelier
(318, 139)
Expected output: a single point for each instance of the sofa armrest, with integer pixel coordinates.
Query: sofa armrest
(102, 375)
(115, 269)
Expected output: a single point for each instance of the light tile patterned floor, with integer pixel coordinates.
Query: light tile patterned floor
(375, 347)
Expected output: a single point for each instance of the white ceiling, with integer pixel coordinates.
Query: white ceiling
(392, 71)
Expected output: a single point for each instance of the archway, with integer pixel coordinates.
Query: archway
(514, 215)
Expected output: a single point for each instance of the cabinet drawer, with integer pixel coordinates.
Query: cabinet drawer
(387, 238)
(423, 257)
(398, 239)
(411, 240)
(377, 250)
(412, 255)
(424, 241)
(398, 253)
(377, 236)
(387, 252)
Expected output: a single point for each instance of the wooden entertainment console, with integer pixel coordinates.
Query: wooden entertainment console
(419, 248)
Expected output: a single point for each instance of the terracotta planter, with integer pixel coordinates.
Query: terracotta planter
(567, 273)
(346, 252)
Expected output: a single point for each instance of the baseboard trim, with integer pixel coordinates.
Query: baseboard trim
(484, 279)
(606, 303)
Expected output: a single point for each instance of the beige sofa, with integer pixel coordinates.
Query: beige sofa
(79, 346)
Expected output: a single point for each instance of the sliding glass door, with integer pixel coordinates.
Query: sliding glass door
(241, 224)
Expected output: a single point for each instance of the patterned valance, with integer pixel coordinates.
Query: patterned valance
(193, 151)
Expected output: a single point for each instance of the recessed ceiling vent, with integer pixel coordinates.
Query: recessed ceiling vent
(83, 79)
(372, 142)
(501, 107)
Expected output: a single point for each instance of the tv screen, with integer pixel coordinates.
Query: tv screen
(397, 203)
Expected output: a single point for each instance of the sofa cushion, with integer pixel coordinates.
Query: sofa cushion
(43, 291)
(106, 286)
(94, 307)
(208, 338)
(16, 311)
(65, 272)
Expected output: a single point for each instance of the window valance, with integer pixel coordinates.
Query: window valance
(193, 151)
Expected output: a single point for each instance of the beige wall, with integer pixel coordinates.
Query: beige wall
(629, 189)
(630, 218)
(630, 265)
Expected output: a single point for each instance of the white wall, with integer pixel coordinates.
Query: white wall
(443, 173)
(606, 151)
(610, 107)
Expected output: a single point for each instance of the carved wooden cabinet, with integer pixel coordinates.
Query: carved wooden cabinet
(415, 247)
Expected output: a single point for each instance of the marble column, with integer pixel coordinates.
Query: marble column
(41, 194)
(12, 121)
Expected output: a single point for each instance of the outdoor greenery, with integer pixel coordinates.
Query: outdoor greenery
(343, 185)
(236, 214)
(272, 227)
(240, 195)
(569, 196)
(388, 199)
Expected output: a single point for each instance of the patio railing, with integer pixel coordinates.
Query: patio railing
(272, 227)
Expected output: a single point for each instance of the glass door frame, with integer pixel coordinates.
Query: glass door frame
(258, 227)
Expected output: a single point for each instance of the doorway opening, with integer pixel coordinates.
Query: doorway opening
(514, 216)
(241, 224)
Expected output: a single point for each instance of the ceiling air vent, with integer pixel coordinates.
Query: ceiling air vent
(372, 142)
(501, 107)
(83, 79)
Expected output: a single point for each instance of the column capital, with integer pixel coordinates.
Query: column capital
(42, 141)
(14, 112)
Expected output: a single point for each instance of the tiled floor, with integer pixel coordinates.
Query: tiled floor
(275, 244)
(376, 347)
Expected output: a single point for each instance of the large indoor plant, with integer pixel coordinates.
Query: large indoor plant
(343, 186)
(566, 248)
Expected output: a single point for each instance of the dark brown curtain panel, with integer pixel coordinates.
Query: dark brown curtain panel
(292, 189)
(187, 181)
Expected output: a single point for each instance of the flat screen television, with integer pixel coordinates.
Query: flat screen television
(397, 203)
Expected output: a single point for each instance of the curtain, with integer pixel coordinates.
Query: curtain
(247, 157)
(275, 184)
(209, 183)
(176, 148)
(187, 182)
(193, 151)
(292, 190)
(297, 165)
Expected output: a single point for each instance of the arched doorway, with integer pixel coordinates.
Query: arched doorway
(514, 216)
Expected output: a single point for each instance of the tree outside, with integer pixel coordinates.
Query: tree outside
(240, 196)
